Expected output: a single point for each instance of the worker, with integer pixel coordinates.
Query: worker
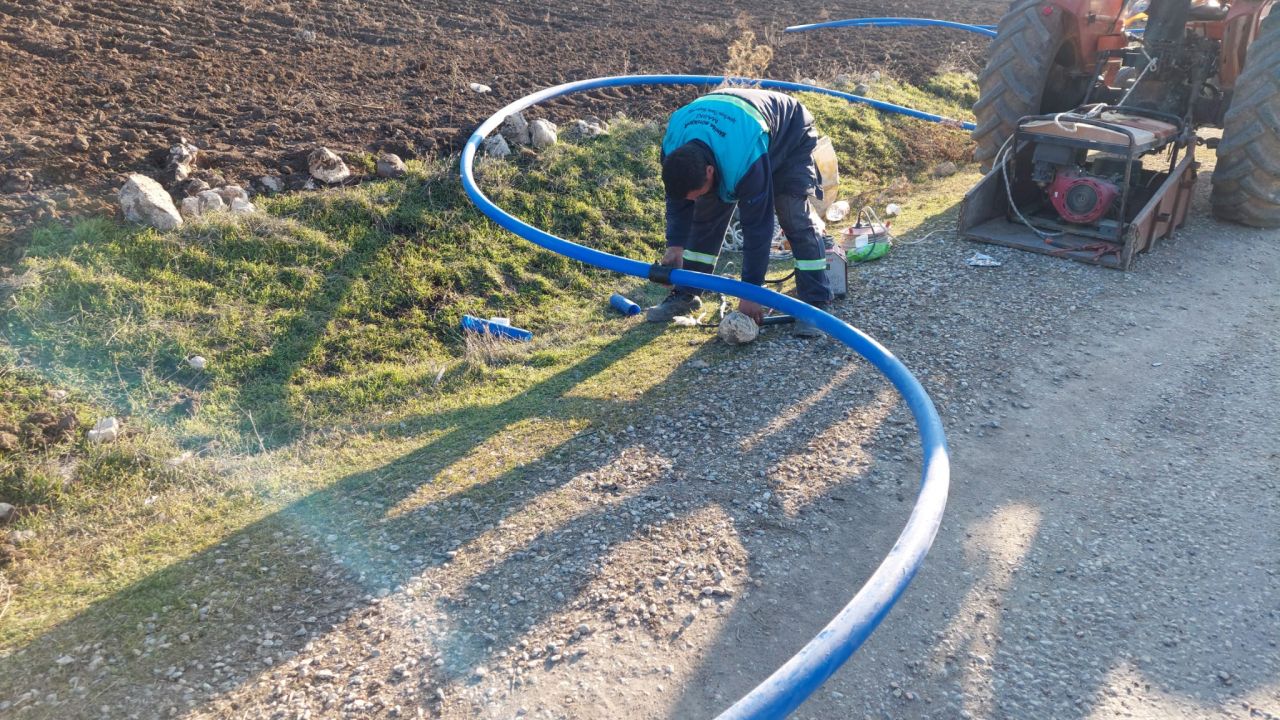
(753, 149)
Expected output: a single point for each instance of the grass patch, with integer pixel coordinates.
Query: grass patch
(330, 326)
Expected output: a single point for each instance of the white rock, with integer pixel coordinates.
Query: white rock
(542, 133)
(182, 159)
(210, 201)
(6, 512)
(738, 329)
(588, 128)
(306, 36)
(190, 208)
(326, 166)
(516, 129)
(231, 192)
(271, 183)
(497, 147)
(892, 210)
(197, 362)
(838, 211)
(106, 430)
(22, 537)
(391, 166)
(145, 201)
(480, 88)
(240, 206)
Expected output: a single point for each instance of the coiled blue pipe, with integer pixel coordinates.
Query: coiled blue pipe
(788, 687)
(988, 30)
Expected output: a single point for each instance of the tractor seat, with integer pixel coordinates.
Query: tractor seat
(1148, 134)
(1208, 11)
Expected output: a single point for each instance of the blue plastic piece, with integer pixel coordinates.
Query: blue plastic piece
(484, 327)
(987, 30)
(623, 305)
(791, 684)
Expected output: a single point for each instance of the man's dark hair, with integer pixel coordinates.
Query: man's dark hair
(685, 169)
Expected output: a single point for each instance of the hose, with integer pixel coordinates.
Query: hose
(789, 686)
(988, 30)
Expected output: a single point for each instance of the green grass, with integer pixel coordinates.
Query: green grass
(330, 327)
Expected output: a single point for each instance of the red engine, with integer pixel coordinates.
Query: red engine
(1081, 198)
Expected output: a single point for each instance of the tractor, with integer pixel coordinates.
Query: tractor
(1087, 119)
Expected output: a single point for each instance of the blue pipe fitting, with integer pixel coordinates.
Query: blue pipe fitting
(789, 686)
(623, 305)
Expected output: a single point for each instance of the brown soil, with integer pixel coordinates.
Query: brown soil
(93, 89)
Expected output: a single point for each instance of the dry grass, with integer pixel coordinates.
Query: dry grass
(747, 58)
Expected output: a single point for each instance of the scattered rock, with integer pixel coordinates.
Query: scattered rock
(197, 362)
(271, 183)
(16, 181)
(497, 147)
(190, 208)
(80, 143)
(587, 128)
(946, 169)
(240, 206)
(145, 201)
(861, 89)
(105, 431)
(326, 166)
(306, 36)
(21, 537)
(230, 193)
(875, 76)
(210, 201)
(7, 512)
(516, 129)
(191, 187)
(391, 166)
(182, 160)
(738, 329)
(542, 133)
(482, 89)
(10, 554)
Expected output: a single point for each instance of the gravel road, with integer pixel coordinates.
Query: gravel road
(1110, 549)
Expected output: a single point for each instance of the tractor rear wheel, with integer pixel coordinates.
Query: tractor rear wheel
(1246, 182)
(1031, 70)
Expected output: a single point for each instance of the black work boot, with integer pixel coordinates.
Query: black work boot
(677, 303)
(804, 329)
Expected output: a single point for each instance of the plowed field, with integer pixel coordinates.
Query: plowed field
(92, 89)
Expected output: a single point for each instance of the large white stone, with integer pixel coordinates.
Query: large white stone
(738, 329)
(326, 166)
(542, 133)
(105, 431)
(144, 201)
(211, 201)
(496, 146)
(391, 166)
(516, 129)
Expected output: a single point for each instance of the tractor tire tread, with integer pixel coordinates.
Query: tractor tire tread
(1246, 181)
(1013, 80)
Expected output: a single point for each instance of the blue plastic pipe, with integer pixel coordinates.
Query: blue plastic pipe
(624, 306)
(788, 687)
(487, 327)
(987, 30)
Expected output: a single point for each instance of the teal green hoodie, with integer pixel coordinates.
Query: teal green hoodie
(736, 132)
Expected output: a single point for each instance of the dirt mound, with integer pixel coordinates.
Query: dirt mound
(94, 89)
